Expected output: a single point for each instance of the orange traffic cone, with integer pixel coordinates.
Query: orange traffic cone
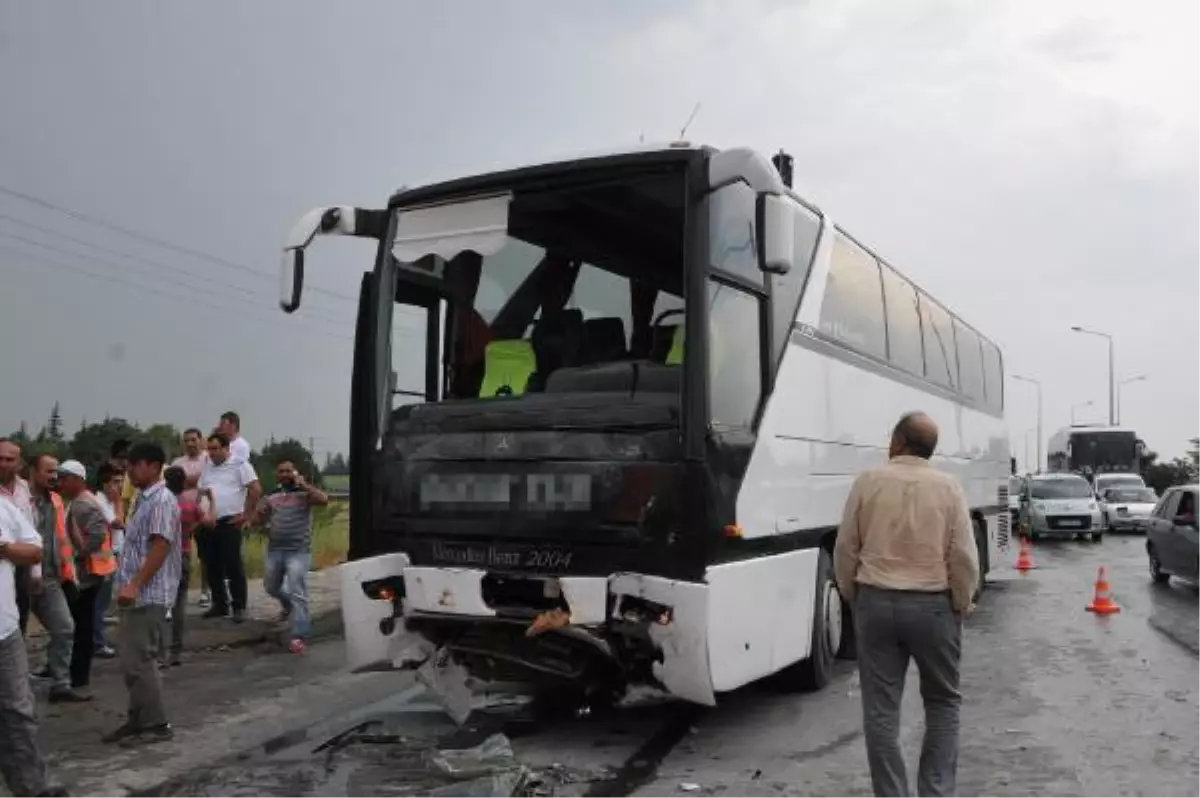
(1025, 557)
(1103, 603)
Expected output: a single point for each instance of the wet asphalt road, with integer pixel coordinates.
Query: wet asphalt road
(1057, 701)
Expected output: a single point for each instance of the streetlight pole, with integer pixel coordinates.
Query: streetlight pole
(1038, 385)
(1112, 380)
(1122, 384)
(1079, 406)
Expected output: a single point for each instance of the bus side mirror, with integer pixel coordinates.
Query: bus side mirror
(291, 279)
(336, 220)
(774, 224)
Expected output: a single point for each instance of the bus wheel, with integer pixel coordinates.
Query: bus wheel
(984, 555)
(828, 626)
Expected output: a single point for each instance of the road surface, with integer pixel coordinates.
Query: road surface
(1057, 701)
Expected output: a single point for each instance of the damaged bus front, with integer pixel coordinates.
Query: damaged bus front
(535, 492)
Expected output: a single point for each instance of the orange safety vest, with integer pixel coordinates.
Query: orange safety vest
(66, 552)
(101, 562)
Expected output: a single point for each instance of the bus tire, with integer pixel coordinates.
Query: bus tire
(816, 671)
(984, 554)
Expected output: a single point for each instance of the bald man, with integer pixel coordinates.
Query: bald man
(905, 560)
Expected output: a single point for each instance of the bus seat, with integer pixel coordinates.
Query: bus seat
(675, 355)
(556, 339)
(507, 366)
(603, 340)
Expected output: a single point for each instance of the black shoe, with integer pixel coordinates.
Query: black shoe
(68, 695)
(44, 673)
(154, 734)
(117, 735)
(176, 660)
(239, 616)
(215, 612)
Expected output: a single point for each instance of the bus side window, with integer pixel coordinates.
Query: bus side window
(970, 360)
(903, 323)
(734, 356)
(852, 309)
(941, 364)
(786, 288)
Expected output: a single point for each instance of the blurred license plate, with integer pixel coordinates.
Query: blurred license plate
(1122, 511)
(1069, 522)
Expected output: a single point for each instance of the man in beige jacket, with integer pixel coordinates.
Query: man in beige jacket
(905, 559)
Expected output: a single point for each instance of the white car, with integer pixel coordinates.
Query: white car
(1061, 505)
(1104, 481)
(1125, 509)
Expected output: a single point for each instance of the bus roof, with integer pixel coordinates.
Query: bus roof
(641, 152)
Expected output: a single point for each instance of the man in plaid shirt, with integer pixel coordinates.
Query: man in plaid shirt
(147, 585)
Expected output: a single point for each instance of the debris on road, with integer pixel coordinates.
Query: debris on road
(448, 682)
(489, 768)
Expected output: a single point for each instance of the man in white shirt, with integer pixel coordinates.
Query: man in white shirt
(21, 763)
(232, 491)
(230, 426)
(194, 456)
(192, 461)
(16, 490)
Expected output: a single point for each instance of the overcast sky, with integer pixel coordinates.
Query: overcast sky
(1033, 165)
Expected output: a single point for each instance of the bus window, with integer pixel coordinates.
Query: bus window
(903, 323)
(734, 356)
(993, 372)
(731, 233)
(941, 365)
(970, 361)
(786, 288)
(852, 310)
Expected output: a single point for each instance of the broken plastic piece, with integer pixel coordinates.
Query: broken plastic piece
(491, 756)
(547, 621)
(446, 679)
(508, 782)
(489, 768)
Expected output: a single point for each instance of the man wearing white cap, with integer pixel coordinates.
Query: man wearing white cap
(88, 529)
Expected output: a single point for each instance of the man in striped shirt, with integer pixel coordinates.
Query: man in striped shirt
(147, 584)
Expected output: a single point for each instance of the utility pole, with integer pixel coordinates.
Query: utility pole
(1038, 385)
(1112, 379)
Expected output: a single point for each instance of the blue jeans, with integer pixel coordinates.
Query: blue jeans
(286, 579)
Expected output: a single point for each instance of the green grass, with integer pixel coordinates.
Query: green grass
(330, 542)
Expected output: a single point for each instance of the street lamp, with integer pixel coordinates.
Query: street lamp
(1112, 383)
(1037, 385)
(1122, 384)
(1079, 406)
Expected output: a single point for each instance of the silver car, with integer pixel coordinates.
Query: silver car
(1171, 540)
(1125, 509)
(1061, 505)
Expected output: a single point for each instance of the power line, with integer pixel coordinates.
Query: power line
(167, 279)
(150, 239)
(23, 223)
(110, 278)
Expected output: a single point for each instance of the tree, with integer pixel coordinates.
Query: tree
(335, 465)
(54, 427)
(93, 442)
(166, 436)
(1179, 471)
(287, 449)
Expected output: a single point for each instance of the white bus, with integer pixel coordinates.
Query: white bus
(648, 379)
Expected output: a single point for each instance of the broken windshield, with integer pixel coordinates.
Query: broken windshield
(588, 274)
